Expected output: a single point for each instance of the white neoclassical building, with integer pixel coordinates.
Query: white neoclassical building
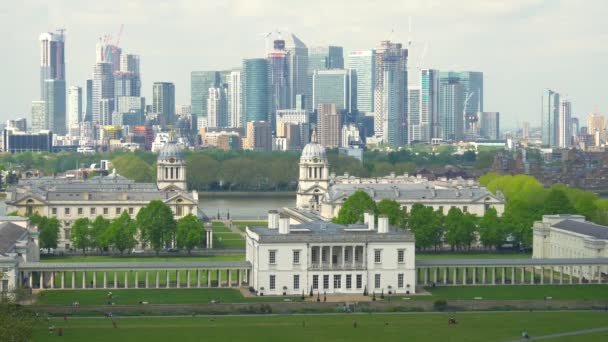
(18, 244)
(69, 199)
(324, 257)
(570, 237)
(324, 193)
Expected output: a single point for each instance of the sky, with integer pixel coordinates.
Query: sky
(522, 46)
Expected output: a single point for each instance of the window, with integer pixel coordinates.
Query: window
(296, 281)
(315, 282)
(359, 281)
(130, 211)
(66, 211)
(118, 210)
(349, 281)
(376, 281)
(337, 281)
(323, 255)
(296, 257)
(79, 211)
(400, 280)
(54, 211)
(273, 282)
(401, 256)
(105, 211)
(325, 281)
(465, 209)
(272, 257)
(377, 256)
(93, 211)
(179, 210)
(66, 233)
(314, 255)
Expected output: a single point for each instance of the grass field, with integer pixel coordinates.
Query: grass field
(516, 292)
(241, 225)
(107, 258)
(427, 256)
(152, 296)
(391, 327)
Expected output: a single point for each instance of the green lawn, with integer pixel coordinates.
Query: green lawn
(153, 296)
(220, 227)
(426, 256)
(518, 292)
(107, 258)
(471, 327)
(243, 224)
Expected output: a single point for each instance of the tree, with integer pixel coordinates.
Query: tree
(100, 237)
(459, 228)
(49, 232)
(557, 203)
(122, 232)
(16, 321)
(491, 232)
(392, 209)
(80, 234)
(156, 224)
(189, 233)
(426, 224)
(353, 208)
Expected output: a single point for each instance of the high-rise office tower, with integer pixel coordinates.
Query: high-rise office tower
(132, 109)
(332, 86)
(489, 125)
(298, 67)
(56, 108)
(279, 78)
(322, 58)
(575, 129)
(74, 105)
(429, 104)
(550, 117)
(200, 82)
(235, 100)
(413, 114)
(390, 94)
(88, 115)
(363, 67)
(127, 81)
(564, 130)
(472, 93)
(525, 131)
(259, 136)
(329, 125)
(293, 124)
(163, 102)
(52, 59)
(596, 126)
(39, 117)
(451, 110)
(255, 89)
(103, 89)
(217, 108)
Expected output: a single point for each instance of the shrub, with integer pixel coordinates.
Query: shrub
(440, 304)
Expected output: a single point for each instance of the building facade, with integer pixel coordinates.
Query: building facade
(329, 124)
(322, 257)
(74, 105)
(255, 88)
(490, 125)
(200, 82)
(413, 114)
(332, 86)
(550, 118)
(19, 245)
(163, 102)
(363, 66)
(429, 104)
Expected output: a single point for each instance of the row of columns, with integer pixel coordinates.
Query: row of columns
(355, 253)
(492, 275)
(242, 278)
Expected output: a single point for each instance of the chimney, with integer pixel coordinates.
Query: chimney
(284, 225)
(368, 219)
(273, 219)
(382, 224)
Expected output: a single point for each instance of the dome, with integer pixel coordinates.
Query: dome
(170, 151)
(313, 151)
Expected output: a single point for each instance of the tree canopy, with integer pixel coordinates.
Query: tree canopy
(156, 224)
(189, 233)
(353, 208)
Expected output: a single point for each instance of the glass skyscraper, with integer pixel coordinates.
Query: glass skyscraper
(550, 117)
(429, 104)
(332, 86)
(56, 108)
(451, 110)
(200, 82)
(163, 102)
(413, 114)
(322, 58)
(363, 65)
(255, 90)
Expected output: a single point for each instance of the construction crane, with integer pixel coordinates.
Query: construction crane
(110, 52)
(464, 109)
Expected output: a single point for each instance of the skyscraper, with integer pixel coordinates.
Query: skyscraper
(550, 117)
(74, 105)
(217, 108)
(255, 89)
(163, 102)
(279, 78)
(39, 117)
(127, 80)
(472, 92)
(332, 86)
(200, 82)
(325, 58)
(390, 94)
(235, 100)
(103, 89)
(429, 104)
(55, 106)
(298, 67)
(490, 125)
(451, 110)
(363, 65)
(52, 59)
(329, 125)
(564, 131)
(413, 114)
(88, 116)
(596, 126)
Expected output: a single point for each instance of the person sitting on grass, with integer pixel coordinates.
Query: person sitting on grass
(524, 334)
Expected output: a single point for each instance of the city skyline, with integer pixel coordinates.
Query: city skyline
(515, 65)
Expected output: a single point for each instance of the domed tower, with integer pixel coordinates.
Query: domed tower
(314, 175)
(171, 168)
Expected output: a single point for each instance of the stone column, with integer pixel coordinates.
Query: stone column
(493, 275)
(238, 278)
(136, 279)
(484, 270)
(464, 276)
(115, 280)
(208, 278)
(126, 280)
(571, 269)
(147, 284)
(561, 275)
(73, 279)
(105, 279)
(435, 271)
(580, 274)
(94, 279)
(188, 278)
(542, 275)
(425, 271)
(30, 280)
(157, 279)
(219, 278)
(167, 278)
(229, 277)
(503, 275)
(84, 280)
(455, 275)
(177, 278)
(52, 279)
(62, 280)
(523, 275)
(41, 284)
(532, 275)
(474, 275)
(513, 275)
(445, 276)
(198, 278)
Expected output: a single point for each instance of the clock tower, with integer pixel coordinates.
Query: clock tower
(313, 181)
(171, 168)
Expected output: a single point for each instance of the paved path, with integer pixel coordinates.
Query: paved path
(571, 333)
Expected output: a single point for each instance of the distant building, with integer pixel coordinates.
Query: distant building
(52, 60)
(413, 114)
(56, 106)
(19, 245)
(235, 100)
(451, 110)
(564, 132)
(40, 120)
(74, 105)
(329, 125)
(102, 89)
(217, 108)
(490, 125)
(254, 86)
(279, 79)
(429, 105)
(363, 65)
(294, 125)
(163, 102)
(350, 135)
(200, 82)
(332, 86)
(259, 136)
(18, 141)
(550, 118)
(596, 127)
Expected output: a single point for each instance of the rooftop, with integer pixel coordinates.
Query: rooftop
(584, 228)
(10, 233)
